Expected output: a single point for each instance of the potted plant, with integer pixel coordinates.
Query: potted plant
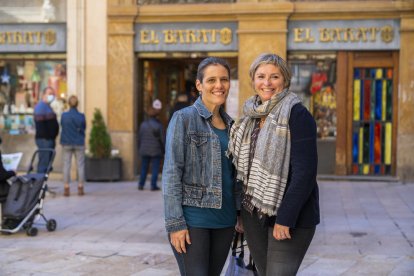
(100, 165)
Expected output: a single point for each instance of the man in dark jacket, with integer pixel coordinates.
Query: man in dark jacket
(47, 128)
(182, 101)
(151, 143)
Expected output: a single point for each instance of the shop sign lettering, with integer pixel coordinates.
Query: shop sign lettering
(47, 37)
(210, 36)
(345, 35)
(32, 38)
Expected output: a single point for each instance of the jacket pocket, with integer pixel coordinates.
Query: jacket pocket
(193, 195)
(193, 192)
(197, 140)
(198, 144)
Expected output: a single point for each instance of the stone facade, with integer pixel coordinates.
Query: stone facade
(262, 27)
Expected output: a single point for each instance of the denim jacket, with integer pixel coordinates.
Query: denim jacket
(192, 168)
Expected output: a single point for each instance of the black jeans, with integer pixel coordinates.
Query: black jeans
(273, 257)
(207, 253)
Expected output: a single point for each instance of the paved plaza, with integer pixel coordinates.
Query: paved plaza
(367, 228)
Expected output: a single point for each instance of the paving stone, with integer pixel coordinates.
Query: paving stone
(367, 228)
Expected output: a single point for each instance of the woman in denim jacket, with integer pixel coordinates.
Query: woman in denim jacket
(198, 179)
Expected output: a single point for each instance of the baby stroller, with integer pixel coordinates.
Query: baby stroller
(24, 203)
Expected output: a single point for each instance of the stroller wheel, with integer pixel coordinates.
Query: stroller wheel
(51, 225)
(31, 231)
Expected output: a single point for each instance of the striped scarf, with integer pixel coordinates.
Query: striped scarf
(266, 182)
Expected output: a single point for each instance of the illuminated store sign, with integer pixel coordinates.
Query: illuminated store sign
(200, 36)
(32, 38)
(344, 35)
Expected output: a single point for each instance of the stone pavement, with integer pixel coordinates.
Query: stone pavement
(367, 228)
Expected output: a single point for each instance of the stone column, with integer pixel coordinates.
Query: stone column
(76, 50)
(260, 33)
(405, 136)
(120, 81)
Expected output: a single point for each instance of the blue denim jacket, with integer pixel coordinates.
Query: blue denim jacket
(73, 128)
(192, 166)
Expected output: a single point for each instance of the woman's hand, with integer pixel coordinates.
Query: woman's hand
(281, 232)
(239, 225)
(178, 240)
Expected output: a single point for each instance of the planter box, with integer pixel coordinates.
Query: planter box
(97, 169)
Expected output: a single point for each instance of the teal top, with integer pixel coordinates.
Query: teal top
(217, 218)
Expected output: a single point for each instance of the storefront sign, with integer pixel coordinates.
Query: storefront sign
(344, 35)
(186, 37)
(28, 38)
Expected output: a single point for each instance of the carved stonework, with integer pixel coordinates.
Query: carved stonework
(120, 82)
(121, 90)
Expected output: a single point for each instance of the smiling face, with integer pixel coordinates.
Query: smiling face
(268, 81)
(215, 86)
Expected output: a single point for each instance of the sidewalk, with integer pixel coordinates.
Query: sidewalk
(366, 229)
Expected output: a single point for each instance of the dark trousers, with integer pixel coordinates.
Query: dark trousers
(207, 253)
(155, 167)
(44, 157)
(273, 257)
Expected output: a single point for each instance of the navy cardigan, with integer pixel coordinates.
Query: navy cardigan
(300, 204)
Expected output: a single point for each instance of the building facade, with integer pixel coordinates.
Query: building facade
(352, 64)
(351, 61)
(44, 43)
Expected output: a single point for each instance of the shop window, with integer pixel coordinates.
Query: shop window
(372, 121)
(160, 2)
(33, 11)
(21, 83)
(313, 80)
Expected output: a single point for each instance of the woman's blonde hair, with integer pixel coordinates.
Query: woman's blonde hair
(276, 61)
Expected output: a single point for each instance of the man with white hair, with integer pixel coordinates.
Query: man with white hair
(47, 127)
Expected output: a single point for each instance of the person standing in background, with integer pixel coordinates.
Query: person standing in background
(182, 101)
(72, 140)
(151, 142)
(47, 127)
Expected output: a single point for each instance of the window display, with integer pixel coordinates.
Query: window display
(313, 79)
(20, 85)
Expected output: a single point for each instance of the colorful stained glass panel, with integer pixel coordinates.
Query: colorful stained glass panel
(372, 121)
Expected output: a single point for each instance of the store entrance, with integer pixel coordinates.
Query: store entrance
(165, 79)
(314, 80)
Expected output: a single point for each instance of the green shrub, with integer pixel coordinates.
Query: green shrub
(100, 143)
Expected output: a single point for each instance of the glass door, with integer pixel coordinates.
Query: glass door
(372, 109)
(372, 121)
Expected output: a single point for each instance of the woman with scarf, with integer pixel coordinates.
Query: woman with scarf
(274, 151)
